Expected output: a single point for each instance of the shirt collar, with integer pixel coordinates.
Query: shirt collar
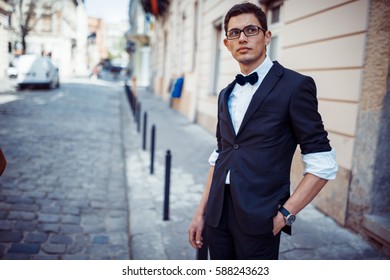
(263, 68)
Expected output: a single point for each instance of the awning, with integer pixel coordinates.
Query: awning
(155, 7)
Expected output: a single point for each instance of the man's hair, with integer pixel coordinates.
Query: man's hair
(246, 8)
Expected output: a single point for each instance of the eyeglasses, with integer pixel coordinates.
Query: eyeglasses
(250, 30)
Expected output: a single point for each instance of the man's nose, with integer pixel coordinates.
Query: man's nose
(242, 36)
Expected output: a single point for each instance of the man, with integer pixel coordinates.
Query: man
(261, 120)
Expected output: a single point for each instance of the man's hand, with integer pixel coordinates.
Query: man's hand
(197, 224)
(279, 223)
(195, 232)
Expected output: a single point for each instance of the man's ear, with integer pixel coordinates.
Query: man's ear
(268, 36)
(226, 43)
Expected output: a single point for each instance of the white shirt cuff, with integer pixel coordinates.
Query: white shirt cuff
(213, 158)
(322, 164)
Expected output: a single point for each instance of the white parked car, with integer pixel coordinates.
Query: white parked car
(37, 70)
(12, 70)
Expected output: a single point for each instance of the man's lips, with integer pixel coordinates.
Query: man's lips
(243, 49)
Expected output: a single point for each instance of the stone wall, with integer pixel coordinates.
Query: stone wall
(369, 196)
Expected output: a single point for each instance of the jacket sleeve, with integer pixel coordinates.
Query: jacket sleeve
(306, 120)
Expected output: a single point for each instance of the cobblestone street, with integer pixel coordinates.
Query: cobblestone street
(63, 194)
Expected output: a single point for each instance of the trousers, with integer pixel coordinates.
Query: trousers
(229, 242)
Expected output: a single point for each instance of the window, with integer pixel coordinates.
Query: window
(196, 23)
(217, 55)
(275, 24)
(275, 14)
(273, 48)
(46, 23)
(31, 23)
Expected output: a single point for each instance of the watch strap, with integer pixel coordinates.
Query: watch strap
(284, 211)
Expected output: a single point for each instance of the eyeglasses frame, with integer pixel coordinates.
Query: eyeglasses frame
(242, 30)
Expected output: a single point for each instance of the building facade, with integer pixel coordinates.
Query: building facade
(138, 44)
(57, 29)
(343, 45)
(59, 34)
(6, 33)
(97, 49)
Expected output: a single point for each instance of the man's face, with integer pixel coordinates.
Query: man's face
(248, 51)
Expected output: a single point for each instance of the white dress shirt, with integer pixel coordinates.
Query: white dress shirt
(321, 164)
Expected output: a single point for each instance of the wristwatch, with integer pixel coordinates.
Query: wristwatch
(290, 218)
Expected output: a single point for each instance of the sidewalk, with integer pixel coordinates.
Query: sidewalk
(7, 85)
(316, 236)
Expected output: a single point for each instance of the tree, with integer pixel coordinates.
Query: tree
(28, 13)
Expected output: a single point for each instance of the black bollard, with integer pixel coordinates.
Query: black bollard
(145, 124)
(135, 110)
(168, 158)
(152, 144)
(134, 105)
(127, 91)
(130, 98)
(138, 117)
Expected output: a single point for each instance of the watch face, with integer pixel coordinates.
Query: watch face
(290, 219)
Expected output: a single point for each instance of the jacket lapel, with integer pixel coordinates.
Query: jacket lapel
(224, 107)
(261, 93)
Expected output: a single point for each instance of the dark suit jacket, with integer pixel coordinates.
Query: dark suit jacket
(282, 114)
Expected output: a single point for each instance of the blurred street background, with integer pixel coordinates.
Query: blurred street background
(77, 184)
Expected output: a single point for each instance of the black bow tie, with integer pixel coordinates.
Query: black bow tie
(252, 79)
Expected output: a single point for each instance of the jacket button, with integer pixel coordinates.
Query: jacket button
(235, 146)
